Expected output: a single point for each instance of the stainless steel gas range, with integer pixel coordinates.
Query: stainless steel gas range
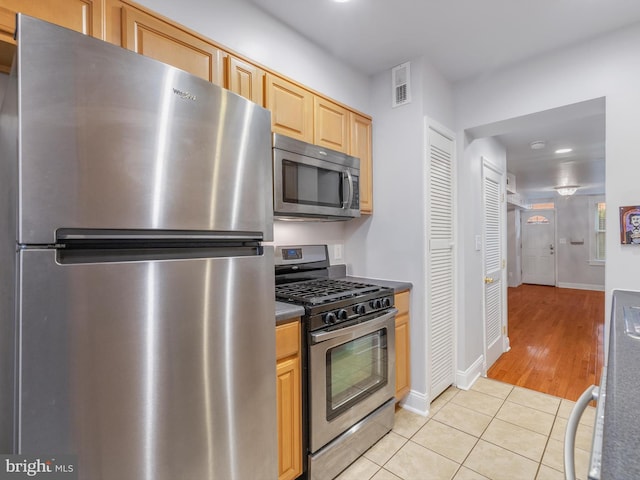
(348, 339)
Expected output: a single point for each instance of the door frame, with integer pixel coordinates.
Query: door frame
(488, 164)
(555, 242)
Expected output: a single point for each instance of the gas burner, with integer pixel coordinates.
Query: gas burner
(322, 290)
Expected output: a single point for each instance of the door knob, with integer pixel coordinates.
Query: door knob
(488, 280)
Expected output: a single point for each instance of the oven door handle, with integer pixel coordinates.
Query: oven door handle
(591, 393)
(319, 337)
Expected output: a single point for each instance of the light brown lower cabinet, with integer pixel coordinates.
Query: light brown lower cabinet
(403, 352)
(289, 400)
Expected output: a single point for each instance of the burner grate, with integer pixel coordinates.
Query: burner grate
(322, 290)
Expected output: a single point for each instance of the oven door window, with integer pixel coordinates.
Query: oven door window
(310, 185)
(355, 370)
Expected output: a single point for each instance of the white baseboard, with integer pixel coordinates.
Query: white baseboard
(581, 286)
(465, 380)
(416, 402)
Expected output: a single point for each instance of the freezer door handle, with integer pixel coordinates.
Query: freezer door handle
(63, 234)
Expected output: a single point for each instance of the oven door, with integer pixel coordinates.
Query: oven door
(351, 373)
(305, 186)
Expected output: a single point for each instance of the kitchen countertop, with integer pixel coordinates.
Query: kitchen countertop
(340, 272)
(621, 434)
(287, 312)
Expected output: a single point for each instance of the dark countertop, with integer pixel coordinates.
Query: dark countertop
(340, 272)
(286, 312)
(621, 434)
(396, 286)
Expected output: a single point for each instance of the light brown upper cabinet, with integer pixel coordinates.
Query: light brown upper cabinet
(331, 125)
(245, 79)
(155, 38)
(84, 16)
(360, 146)
(291, 108)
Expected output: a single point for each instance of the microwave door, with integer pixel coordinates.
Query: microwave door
(305, 186)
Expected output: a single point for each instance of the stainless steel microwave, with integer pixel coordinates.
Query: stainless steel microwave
(313, 183)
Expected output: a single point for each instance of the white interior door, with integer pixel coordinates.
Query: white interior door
(538, 247)
(494, 228)
(440, 259)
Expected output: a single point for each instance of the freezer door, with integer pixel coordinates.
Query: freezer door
(110, 139)
(160, 369)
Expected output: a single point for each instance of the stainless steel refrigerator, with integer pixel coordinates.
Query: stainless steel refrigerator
(136, 297)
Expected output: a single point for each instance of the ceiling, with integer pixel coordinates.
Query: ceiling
(467, 39)
(580, 126)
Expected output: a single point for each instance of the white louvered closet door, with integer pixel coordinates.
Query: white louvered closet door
(493, 203)
(440, 261)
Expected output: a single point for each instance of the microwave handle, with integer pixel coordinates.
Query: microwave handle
(347, 203)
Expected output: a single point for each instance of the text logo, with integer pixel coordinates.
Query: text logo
(184, 95)
(49, 467)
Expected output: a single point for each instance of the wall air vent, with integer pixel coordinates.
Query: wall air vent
(401, 87)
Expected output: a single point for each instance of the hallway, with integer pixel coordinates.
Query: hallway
(556, 337)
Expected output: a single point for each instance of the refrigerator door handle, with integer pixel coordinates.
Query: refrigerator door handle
(591, 393)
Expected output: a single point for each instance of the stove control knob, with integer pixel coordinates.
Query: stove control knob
(377, 303)
(329, 318)
(342, 314)
(386, 303)
(360, 309)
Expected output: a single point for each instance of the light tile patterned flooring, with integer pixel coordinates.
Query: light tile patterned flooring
(492, 431)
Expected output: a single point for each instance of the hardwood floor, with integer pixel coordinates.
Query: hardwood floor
(556, 337)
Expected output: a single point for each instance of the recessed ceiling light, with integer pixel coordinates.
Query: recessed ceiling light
(341, 1)
(538, 145)
(564, 150)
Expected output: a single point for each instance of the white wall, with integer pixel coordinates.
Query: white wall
(244, 28)
(608, 66)
(514, 252)
(572, 220)
(470, 215)
(391, 243)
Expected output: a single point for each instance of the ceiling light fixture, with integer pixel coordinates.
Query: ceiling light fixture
(341, 1)
(566, 190)
(538, 145)
(564, 150)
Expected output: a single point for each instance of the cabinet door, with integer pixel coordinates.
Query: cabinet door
(84, 16)
(331, 125)
(289, 401)
(291, 108)
(403, 365)
(360, 146)
(245, 79)
(150, 36)
(289, 439)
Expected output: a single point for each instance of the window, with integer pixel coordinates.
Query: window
(537, 220)
(542, 206)
(597, 216)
